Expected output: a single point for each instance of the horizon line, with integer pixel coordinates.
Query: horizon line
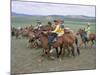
(49, 15)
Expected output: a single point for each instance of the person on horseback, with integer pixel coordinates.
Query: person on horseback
(62, 24)
(49, 23)
(58, 31)
(39, 25)
(87, 29)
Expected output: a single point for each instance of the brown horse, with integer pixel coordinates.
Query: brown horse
(69, 40)
(63, 42)
(84, 39)
(34, 42)
(43, 37)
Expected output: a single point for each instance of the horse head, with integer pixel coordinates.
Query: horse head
(80, 31)
(44, 33)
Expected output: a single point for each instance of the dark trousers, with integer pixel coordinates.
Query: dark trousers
(84, 37)
(51, 37)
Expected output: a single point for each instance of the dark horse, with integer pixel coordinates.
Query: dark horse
(85, 39)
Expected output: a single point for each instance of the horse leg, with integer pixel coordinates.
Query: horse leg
(61, 53)
(76, 42)
(49, 56)
(44, 53)
(73, 50)
(68, 51)
(47, 52)
(35, 44)
(92, 43)
(57, 52)
(60, 50)
(16, 36)
(81, 43)
(78, 50)
(85, 43)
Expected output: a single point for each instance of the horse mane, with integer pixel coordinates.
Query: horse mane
(44, 34)
(66, 32)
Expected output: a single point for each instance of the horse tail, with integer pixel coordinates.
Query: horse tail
(76, 42)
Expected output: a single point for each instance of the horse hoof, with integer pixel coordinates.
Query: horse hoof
(51, 51)
(43, 55)
(78, 54)
(39, 61)
(52, 58)
(57, 56)
(60, 59)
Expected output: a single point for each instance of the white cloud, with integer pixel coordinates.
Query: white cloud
(34, 8)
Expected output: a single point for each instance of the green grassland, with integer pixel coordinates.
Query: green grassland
(74, 24)
(26, 60)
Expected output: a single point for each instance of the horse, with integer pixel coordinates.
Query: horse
(69, 40)
(43, 37)
(84, 39)
(65, 41)
(13, 30)
(34, 42)
(16, 32)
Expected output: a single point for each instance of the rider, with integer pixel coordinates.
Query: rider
(39, 25)
(49, 23)
(87, 29)
(58, 31)
(59, 28)
(62, 24)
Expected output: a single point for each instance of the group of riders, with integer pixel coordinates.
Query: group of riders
(59, 30)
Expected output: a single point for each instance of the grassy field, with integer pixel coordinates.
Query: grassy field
(26, 60)
(73, 24)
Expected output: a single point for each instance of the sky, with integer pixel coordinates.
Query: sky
(36, 8)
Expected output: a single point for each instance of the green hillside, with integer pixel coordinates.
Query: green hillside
(73, 23)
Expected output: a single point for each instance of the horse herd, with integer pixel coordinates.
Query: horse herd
(38, 37)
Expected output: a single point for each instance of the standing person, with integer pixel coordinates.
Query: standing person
(87, 29)
(58, 31)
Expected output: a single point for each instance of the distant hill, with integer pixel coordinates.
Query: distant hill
(80, 17)
(19, 14)
(67, 17)
(73, 16)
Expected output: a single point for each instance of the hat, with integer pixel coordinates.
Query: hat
(57, 20)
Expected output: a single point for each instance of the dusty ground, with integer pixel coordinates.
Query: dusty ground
(25, 60)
